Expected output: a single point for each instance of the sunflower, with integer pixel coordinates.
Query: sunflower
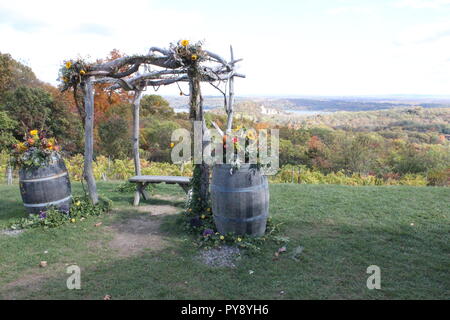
(184, 43)
(251, 135)
(68, 64)
(34, 132)
(194, 57)
(82, 72)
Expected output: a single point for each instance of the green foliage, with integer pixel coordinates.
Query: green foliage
(155, 105)
(6, 131)
(81, 208)
(156, 138)
(14, 74)
(115, 137)
(29, 106)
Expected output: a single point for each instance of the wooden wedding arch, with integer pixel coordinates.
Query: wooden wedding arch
(181, 62)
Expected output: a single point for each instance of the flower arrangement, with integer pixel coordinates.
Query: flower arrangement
(71, 72)
(244, 144)
(188, 53)
(35, 151)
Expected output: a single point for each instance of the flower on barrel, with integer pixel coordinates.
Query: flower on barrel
(244, 144)
(35, 151)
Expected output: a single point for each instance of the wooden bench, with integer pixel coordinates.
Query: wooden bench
(143, 181)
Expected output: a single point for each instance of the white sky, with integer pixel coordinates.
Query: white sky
(302, 47)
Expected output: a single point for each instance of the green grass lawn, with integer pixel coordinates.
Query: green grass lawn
(403, 230)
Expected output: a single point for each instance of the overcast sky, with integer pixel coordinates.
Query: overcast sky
(299, 47)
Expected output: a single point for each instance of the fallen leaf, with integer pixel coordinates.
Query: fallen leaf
(98, 224)
(43, 264)
(107, 297)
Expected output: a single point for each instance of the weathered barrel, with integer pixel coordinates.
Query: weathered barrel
(45, 186)
(240, 201)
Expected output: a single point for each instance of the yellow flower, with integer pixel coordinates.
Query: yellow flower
(82, 72)
(77, 203)
(172, 145)
(251, 135)
(203, 216)
(222, 237)
(73, 220)
(239, 239)
(208, 209)
(184, 43)
(34, 132)
(21, 146)
(194, 57)
(68, 64)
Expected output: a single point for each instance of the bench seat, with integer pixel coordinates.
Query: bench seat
(143, 181)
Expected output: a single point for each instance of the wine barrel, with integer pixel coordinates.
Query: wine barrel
(240, 201)
(45, 186)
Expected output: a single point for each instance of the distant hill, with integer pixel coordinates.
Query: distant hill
(350, 104)
(320, 104)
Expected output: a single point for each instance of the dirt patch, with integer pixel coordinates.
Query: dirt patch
(156, 210)
(11, 233)
(225, 256)
(134, 235)
(169, 197)
(31, 280)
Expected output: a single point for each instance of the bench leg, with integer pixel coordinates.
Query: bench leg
(144, 192)
(137, 197)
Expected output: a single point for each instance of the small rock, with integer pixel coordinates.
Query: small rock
(43, 264)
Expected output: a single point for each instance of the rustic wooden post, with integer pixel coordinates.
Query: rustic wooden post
(136, 156)
(88, 174)
(196, 114)
(230, 97)
(9, 176)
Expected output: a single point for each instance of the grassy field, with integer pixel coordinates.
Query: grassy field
(144, 253)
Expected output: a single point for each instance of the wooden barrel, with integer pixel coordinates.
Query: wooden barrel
(240, 201)
(45, 186)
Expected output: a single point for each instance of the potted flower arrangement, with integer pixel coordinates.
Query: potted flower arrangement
(239, 189)
(43, 177)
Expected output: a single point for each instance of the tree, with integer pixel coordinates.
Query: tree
(29, 106)
(14, 74)
(6, 131)
(115, 137)
(153, 104)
